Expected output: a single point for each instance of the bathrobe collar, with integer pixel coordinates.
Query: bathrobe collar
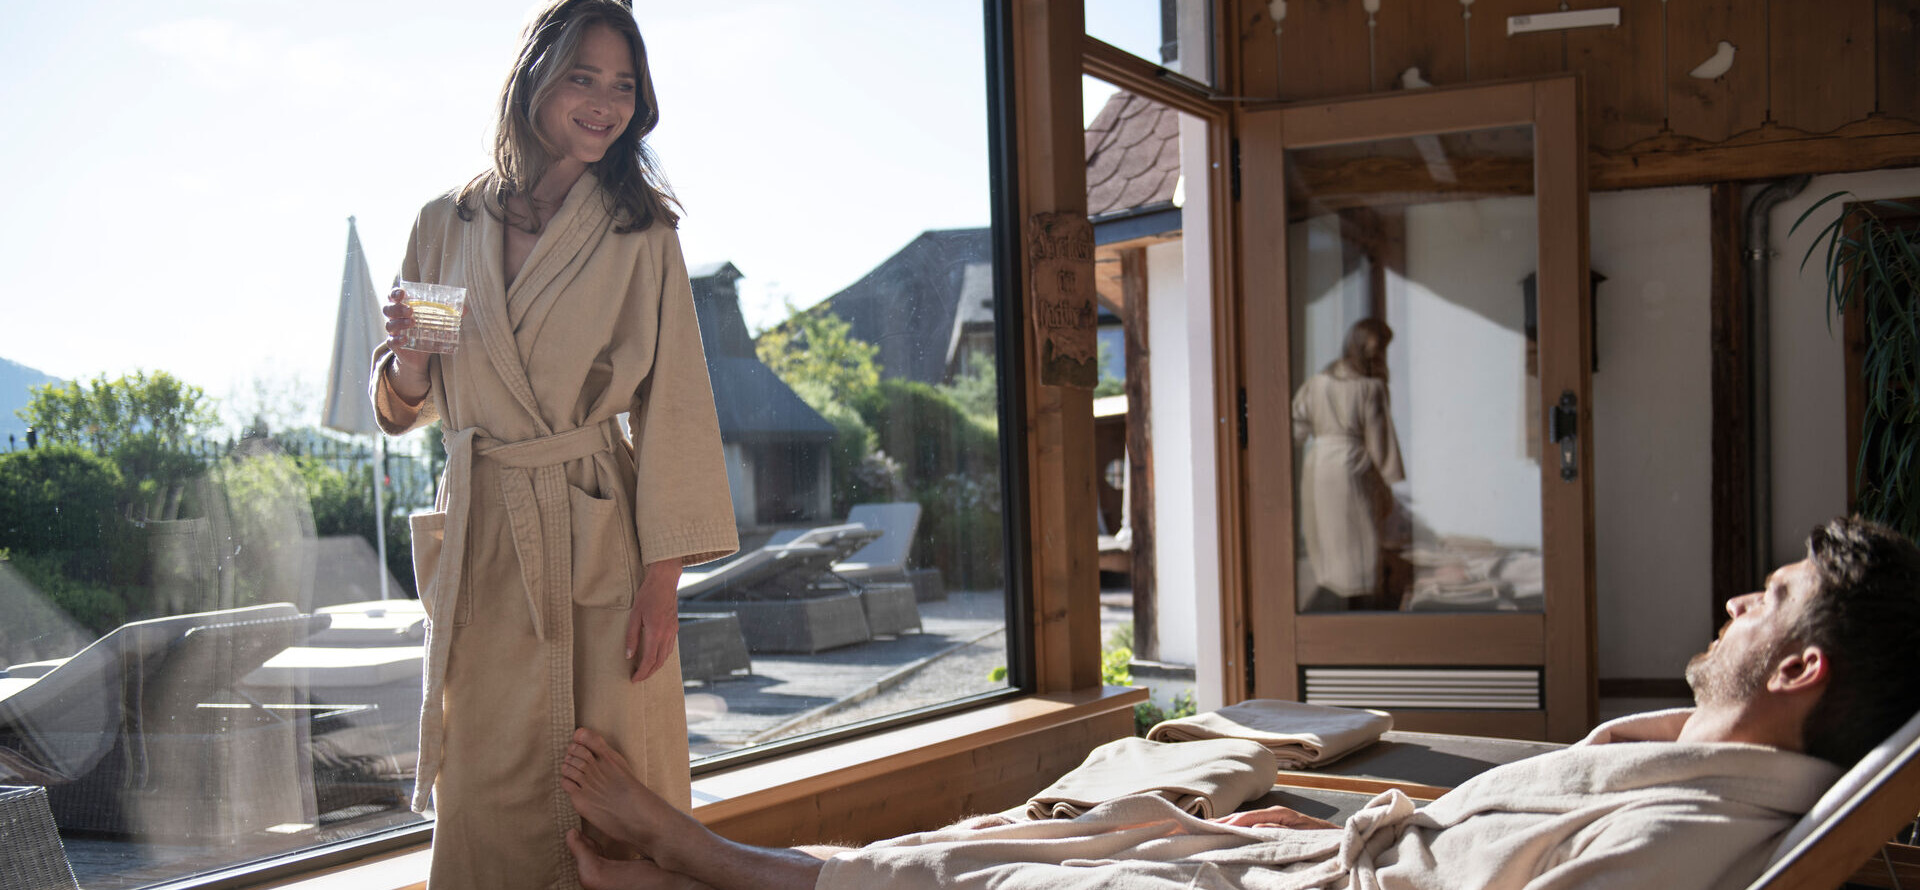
(580, 216)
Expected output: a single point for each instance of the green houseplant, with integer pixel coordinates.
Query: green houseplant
(1872, 265)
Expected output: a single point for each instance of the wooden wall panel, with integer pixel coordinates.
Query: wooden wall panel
(1323, 49)
(1430, 36)
(1492, 55)
(1896, 56)
(1626, 85)
(1820, 59)
(1735, 102)
(1259, 60)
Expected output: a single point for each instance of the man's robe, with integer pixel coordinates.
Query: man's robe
(547, 516)
(1614, 811)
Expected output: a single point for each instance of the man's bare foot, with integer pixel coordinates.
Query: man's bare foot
(597, 872)
(605, 792)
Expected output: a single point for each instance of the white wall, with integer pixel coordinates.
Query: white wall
(1185, 486)
(1808, 370)
(1652, 436)
(1461, 397)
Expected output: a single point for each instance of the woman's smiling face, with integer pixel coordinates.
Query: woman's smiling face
(590, 107)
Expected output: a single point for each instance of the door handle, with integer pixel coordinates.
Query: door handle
(1563, 429)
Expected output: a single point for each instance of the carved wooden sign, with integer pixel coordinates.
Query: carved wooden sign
(1060, 255)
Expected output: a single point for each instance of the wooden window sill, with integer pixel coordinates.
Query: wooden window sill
(784, 780)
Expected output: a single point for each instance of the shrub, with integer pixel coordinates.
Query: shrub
(57, 498)
(949, 462)
(95, 606)
(271, 521)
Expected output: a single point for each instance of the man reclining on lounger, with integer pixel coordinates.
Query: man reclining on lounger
(1806, 677)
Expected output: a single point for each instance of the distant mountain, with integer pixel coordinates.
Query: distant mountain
(15, 380)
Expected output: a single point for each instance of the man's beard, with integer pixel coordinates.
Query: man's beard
(1717, 678)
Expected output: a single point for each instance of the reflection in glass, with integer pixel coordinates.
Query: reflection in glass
(1414, 374)
(1353, 454)
(1176, 34)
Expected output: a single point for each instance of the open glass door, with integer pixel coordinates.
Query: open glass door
(1417, 366)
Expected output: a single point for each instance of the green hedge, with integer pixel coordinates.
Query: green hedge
(57, 498)
(949, 461)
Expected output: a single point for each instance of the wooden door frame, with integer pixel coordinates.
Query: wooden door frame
(1562, 638)
(1147, 80)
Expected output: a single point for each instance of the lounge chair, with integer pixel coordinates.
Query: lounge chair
(886, 558)
(775, 592)
(35, 859)
(143, 732)
(885, 591)
(1843, 830)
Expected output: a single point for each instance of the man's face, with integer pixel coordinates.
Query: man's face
(1738, 664)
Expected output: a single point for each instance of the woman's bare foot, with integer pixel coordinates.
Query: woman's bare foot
(597, 872)
(605, 792)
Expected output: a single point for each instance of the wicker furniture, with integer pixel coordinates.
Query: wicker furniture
(34, 859)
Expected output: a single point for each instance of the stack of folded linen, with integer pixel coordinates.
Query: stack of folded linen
(1301, 736)
(1202, 778)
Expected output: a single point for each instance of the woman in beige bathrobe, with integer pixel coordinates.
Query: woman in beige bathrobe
(1354, 456)
(550, 566)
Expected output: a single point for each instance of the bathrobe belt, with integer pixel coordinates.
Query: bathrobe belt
(533, 483)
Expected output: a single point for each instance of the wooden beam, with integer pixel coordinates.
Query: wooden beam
(1872, 145)
(1409, 113)
(1732, 384)
(1146, 610)
(1052, 177)
(1381, 180)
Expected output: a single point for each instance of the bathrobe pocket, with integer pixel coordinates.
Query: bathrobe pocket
(605, 552)
(429, 535)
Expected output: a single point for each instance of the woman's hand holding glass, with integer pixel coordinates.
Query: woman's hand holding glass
(409, 376)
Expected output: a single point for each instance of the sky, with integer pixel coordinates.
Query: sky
(184, 169)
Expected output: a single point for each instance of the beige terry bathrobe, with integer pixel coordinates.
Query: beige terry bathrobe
(1622, 810)
(1353, 457)
(547, 516)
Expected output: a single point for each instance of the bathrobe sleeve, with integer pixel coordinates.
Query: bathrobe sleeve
(1383, 445)
(395, 415)
(683, 509)
(1667, 845)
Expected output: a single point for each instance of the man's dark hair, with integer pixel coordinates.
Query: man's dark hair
(1865, 616)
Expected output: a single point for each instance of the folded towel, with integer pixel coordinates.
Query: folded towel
(1299, 735)
(1202, 778)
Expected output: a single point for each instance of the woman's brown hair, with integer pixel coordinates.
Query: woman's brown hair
(628, 173)
(1365, 352)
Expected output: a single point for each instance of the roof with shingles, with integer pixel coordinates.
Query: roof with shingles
(1133, 155)
(752, 402)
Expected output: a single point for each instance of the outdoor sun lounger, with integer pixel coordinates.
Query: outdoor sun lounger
(886, 558)
(57, 724)
(889, 601)
(144, 732)
(776, 593)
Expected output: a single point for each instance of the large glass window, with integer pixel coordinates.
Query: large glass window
(1175, 34)
(211, 649)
